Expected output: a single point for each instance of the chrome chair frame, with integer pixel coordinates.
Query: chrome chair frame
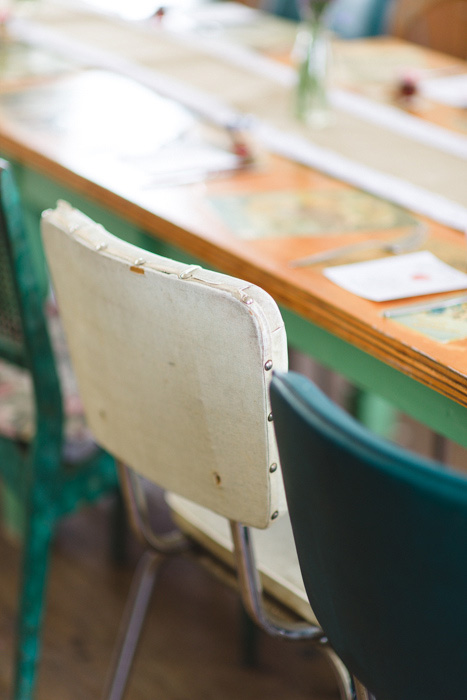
(174, 364)
(158, 549)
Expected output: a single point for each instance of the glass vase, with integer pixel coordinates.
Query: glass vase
(313, 52)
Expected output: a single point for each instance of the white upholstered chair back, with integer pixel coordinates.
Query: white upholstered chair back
(173, 365)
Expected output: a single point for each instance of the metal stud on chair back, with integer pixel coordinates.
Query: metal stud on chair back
(174, 364)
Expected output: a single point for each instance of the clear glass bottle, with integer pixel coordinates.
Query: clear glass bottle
(313, 55)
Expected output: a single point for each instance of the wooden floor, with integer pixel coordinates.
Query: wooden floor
(190, 649)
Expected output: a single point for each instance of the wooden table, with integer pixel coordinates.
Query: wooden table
(419, 375)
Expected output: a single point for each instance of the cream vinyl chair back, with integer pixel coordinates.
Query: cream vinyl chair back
(173, 364)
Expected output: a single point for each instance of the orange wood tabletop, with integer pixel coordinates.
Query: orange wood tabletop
(207, 218)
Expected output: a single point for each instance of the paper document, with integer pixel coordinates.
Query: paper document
(399, 277)
(451, 90)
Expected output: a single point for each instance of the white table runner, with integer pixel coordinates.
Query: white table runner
(435, 188)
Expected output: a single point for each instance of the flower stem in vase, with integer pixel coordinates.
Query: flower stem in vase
(313, 53)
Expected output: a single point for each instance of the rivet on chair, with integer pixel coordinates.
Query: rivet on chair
(139, 261)
(275, 515)
(273, 467)
(270, 418)
(246, 299)
(101, 246)
(268, 365)
(188, 272)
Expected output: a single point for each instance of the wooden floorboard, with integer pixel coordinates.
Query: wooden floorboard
(191, 645)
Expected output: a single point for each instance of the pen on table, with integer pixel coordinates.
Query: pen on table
(186, 176)
(399, 245)
(427, 306)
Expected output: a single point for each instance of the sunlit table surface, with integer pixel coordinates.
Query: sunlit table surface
(83, 121)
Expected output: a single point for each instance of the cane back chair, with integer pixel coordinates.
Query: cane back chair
(46, 475)
(381, 536)
(173, 364)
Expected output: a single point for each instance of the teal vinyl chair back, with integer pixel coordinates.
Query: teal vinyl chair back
(349, 19)
(46, 484)
(381, 536)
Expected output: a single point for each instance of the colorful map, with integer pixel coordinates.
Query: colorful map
(442, 324)
(22, 61)
(307, 213)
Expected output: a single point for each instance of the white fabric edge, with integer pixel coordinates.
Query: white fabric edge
(383, 115)
(381, 184)
(206, 106)
(290, 146)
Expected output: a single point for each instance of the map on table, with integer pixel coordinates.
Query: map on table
(444, 324)
(307, 213)
(19, 61)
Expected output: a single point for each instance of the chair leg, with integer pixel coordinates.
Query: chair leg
(120, 529)
(361, 692)
(35, 566)
(249, 633)
(132, 624)
(440, 448)
(343, 678)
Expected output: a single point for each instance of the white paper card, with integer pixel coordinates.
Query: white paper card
(399, 277)
(451, 90)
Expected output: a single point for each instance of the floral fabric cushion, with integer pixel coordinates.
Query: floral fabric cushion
(17, 410)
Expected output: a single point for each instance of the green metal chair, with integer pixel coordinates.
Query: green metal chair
(381, 536)
(47, 479)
